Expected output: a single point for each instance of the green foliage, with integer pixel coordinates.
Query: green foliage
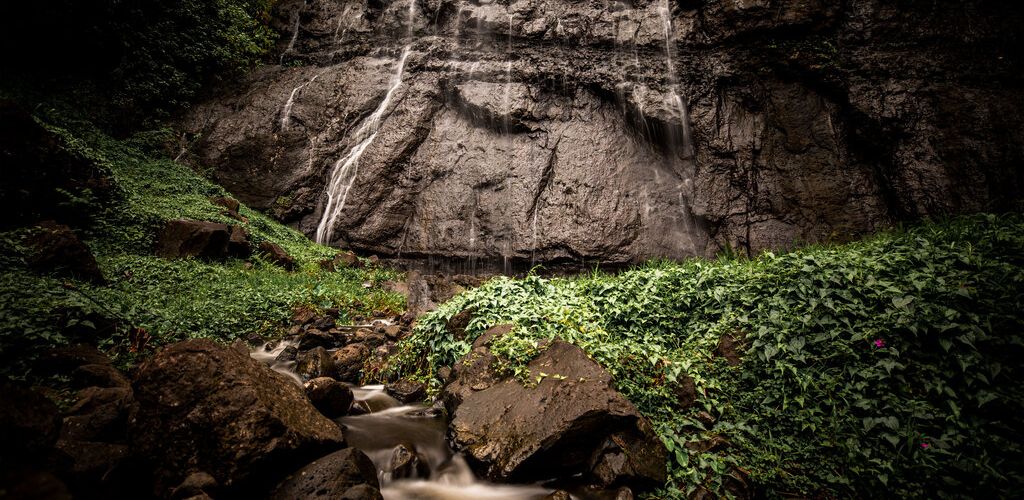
(153, 300)
(883, 367)
(172, 48)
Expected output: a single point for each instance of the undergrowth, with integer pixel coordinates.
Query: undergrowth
(883, 367)
(150, 301)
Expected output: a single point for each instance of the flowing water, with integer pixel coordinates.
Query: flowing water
(286, 112)
(345, 170)
(392, 434)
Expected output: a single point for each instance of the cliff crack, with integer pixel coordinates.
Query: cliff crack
(545, 177)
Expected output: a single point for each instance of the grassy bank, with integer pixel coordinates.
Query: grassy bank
(884, 367)
(150, 301)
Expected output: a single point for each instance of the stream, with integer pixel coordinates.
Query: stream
(408, 447)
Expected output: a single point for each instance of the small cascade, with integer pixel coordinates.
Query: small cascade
(412, 17)
(286, 112)
(674, 98)
(407, 446)
(295, 32)
(345, 170)
(510, 33)
(344, 20)
(268, 355)
(507, 99)
(458, 27)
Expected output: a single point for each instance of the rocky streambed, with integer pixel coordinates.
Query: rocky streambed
(286, 419)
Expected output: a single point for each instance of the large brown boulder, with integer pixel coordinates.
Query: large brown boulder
(204, 407)
(55, 248)
(193, 238)
(333, 476)
(572, 422)
(276, 254)
(331, 397)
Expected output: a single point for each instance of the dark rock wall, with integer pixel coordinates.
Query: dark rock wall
(616, 131)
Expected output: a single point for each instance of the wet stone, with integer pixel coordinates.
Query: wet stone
(407, 391)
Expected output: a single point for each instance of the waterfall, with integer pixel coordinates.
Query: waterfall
(286, 112)
(295, 32)
(507, 98)
(674, 98)
(343, 174)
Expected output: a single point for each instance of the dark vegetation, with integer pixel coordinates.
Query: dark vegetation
(883, 367)
(149, 301)
(131, 62)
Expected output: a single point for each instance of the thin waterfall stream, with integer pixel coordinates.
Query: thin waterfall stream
(343, 174)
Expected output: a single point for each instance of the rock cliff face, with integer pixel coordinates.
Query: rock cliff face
(554, 130)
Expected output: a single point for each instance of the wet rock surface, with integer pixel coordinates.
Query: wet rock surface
(572, 422)
(524, 133)
(331, 397)
(207, 408)
(333, 476)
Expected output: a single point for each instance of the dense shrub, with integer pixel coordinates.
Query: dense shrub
(149, 56)
(884, 367)
(150, 301)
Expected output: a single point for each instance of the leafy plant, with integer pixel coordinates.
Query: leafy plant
(883, 367)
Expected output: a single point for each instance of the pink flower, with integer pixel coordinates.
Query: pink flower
(925, 446)
(879, 343)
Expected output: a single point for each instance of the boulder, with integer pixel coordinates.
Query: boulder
(65, 359)
(572, 422)
(331, 397)
(54, 248)
(331, 476)
(101, 470)
(204, 407)
(731, 347)
(346, 259)
(238, 243)
(287, 355)
(685, 391)
(193, 238)
(393, 332)
(457, 324)
(274, 253)
(313, 338)
(348, 362)
(407, 463)
(227, 202)
(407, 391)
(314, 363)
(196, 484)
(101, 414)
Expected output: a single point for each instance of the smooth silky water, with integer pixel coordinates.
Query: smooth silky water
(388, 425)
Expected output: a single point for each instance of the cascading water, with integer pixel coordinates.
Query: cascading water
(343, 174)
(674, 98)
(295, 32)
(286, 112)
(407, 445)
